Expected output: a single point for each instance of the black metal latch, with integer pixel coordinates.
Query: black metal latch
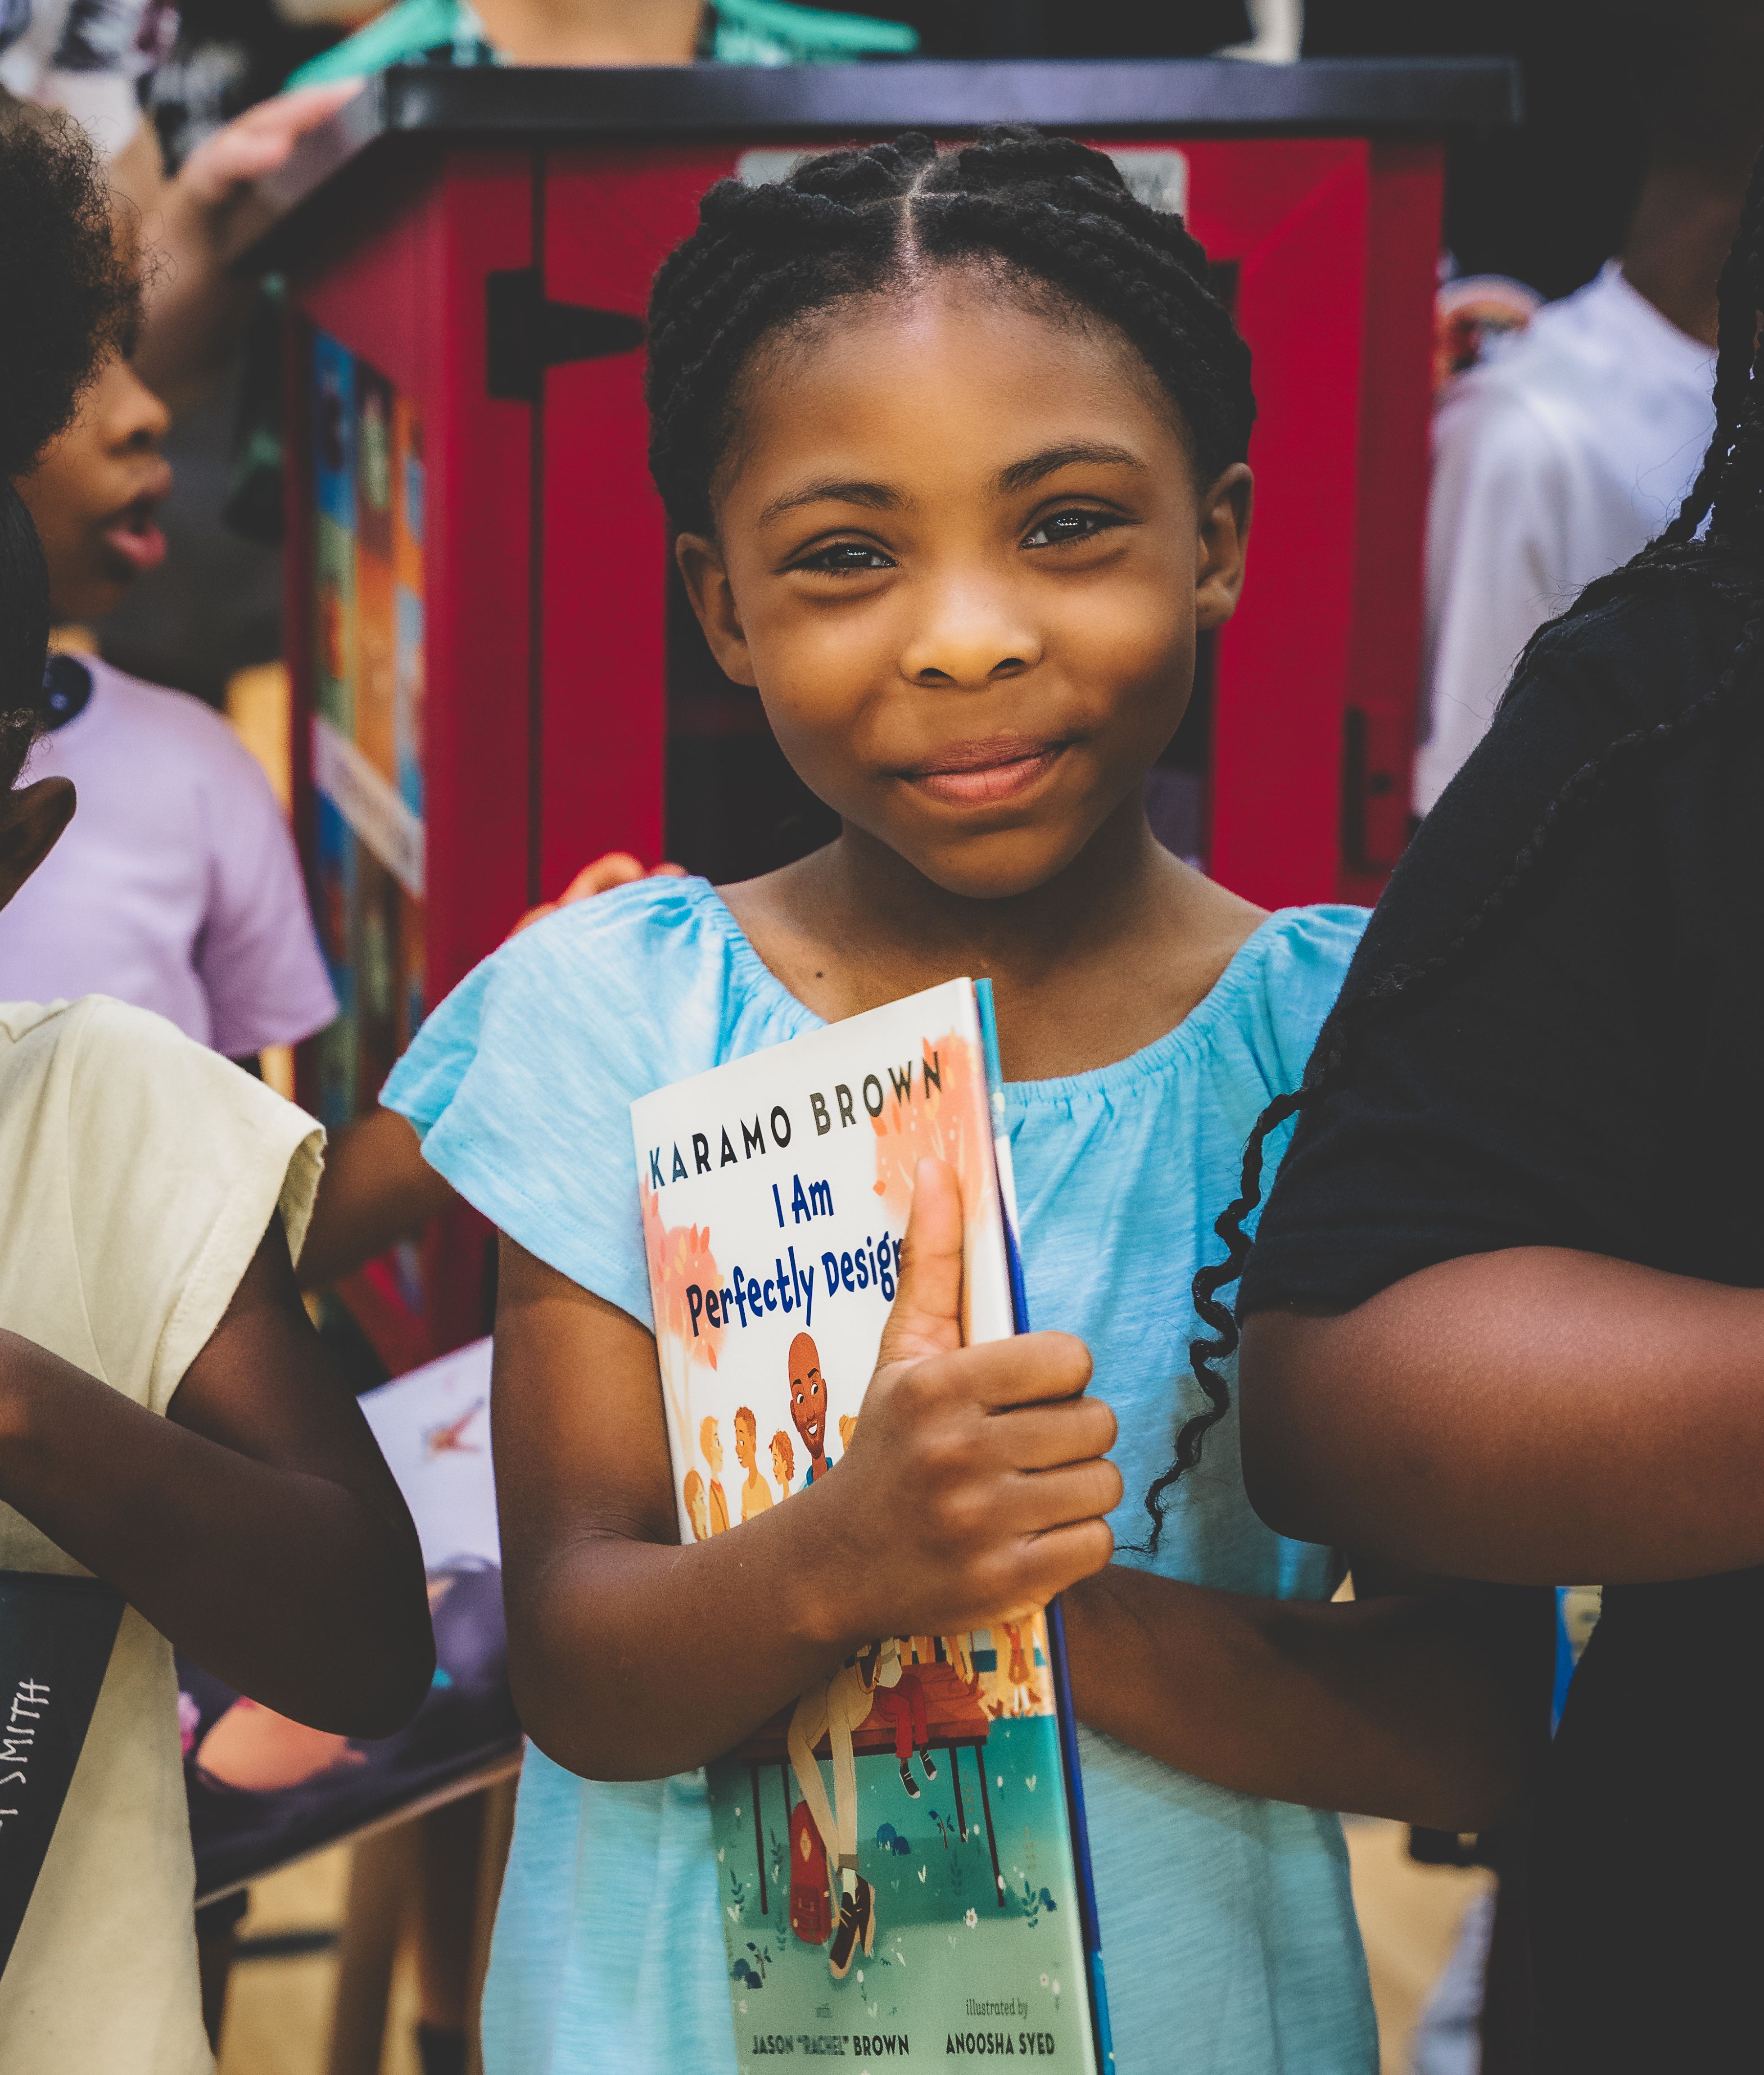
(526, 333)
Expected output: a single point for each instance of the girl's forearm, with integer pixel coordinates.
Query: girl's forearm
(284, 1583)
(1419, 1708)
(1527, 1416)
(376, 1190)
(633, 1660)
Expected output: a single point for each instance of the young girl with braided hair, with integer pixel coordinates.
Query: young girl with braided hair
(1504, 1311)
(952, 444)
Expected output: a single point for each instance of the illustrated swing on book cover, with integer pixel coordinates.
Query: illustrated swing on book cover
(900, 1859)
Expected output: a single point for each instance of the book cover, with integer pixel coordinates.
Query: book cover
(899, 1854)
(56, 1635)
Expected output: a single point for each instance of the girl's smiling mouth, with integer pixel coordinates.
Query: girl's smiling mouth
(982, 773)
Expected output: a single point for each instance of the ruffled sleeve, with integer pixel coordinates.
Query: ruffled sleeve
(521, 1082)
(1309, 952)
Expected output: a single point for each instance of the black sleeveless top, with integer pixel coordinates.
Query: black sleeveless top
(1589, 1078)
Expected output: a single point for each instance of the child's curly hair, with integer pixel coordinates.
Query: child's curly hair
(72, 297)
(68, 300)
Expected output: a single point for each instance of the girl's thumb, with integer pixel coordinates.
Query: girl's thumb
(926, 1316)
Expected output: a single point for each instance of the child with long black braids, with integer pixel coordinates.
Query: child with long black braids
(952, 447)
(1503, 1316)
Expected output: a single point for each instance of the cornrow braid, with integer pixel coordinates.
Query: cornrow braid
(1051, 215)
(1716, 543)
(1737, 447)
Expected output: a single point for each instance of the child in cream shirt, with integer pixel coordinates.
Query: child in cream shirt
(168, 1423)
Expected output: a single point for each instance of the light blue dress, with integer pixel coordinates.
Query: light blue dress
(1228, 1933)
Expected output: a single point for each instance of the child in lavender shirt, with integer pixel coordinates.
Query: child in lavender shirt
(177, 887)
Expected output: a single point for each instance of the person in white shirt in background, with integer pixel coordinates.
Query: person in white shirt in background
(1565, 453)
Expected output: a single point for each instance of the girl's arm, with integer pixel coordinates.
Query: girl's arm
(974, 1482)
(1430, 1706)
(256, 1526)
(376, 1190)
(1526, 1416)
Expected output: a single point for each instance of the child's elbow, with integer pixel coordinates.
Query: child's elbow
(386, 1657)
(587, 1734)
(392, 1671)
(410, 1676)
(571, 1737)
(1280, 1470)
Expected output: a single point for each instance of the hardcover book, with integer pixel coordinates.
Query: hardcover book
(902, 1860)
(56, 1635)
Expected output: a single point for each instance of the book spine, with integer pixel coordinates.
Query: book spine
(1056, 1625)
(56, 1635)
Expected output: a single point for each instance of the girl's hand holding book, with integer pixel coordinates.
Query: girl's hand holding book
(977, 1480)
(973, 1481)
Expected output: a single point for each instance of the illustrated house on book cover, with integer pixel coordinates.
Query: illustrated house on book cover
(898, 1876)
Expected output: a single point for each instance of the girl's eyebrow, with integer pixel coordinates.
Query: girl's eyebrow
(1017, 475)
(876, 496)
(1024, 474)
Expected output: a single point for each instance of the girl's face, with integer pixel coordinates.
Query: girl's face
(961, 552)
(96, 493)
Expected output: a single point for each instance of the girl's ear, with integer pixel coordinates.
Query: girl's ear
(1223, 539)
(700, 567)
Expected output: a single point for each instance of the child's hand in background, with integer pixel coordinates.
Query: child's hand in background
(618, 868)
(258, 143)
(193, 226)
(377, 1188)
(976, 1481)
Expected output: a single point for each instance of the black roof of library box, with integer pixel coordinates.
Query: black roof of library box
(430, 106)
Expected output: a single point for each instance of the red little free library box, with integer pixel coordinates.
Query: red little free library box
(495, 676)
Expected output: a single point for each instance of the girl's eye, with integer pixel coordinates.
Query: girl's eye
(846, 558)
(1063, 526)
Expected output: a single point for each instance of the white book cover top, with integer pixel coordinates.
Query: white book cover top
(895, 1855)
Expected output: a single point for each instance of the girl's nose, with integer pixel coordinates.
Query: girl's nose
(969, 638)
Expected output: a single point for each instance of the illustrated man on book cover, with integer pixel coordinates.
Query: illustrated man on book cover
(808, 1404)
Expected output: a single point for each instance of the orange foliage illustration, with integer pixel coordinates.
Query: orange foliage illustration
(680, 1255)
(947, 1118)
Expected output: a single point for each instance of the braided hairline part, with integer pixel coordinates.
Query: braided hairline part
(857, 222)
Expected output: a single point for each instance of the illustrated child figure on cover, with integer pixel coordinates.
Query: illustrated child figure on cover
(710, 1441)
(899, 1700)
(1018, 1675)
(833, 1708)
(784, 1463)
(692, 1490)
(756, 1493)
(808, 1404)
